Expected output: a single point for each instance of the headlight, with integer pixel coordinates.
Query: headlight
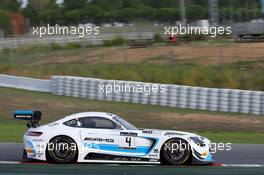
(198, 141)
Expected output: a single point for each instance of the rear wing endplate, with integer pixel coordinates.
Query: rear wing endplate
(32, 116)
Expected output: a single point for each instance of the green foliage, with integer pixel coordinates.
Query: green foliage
(158, 38)
(50, 16)
(6, 51)
(52, 13)
(133, 4)
(109, 5)
(27, 50)
(73, 4)
(73, 15)
(72, 46)
(147, 13)
(4, 20)
(10, 5)
(115, 42)
(167, 14)
(170, 3)
(193, 37)
(98, 11)
(5, 68)
(31, 14)
(56, 46)
(127, 14)
(240, 75)
(196, 12)
(93, 12)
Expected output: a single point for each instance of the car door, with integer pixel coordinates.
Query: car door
(103, 135)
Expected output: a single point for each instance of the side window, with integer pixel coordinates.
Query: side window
(98, 122)
(73, 123)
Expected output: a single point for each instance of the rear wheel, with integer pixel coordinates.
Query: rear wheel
(175, 152)
(62, 149)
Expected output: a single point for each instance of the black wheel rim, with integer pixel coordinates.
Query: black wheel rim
(62, 148)
(177, 150)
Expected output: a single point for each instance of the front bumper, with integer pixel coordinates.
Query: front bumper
(198, 160)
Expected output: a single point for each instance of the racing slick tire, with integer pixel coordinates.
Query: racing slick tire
(175, 152)
(62, 149)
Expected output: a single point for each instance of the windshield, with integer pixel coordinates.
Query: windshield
(124, 123)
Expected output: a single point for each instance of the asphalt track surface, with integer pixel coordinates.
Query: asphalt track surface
(241, 160)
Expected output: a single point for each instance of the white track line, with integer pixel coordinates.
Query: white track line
(224, 165)
(243, 165)
(9, 162)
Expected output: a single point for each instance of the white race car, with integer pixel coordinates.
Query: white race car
(108, 138)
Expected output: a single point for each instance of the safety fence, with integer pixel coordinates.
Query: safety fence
(186, 97)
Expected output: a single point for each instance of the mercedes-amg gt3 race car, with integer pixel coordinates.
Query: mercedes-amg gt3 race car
(108, 138)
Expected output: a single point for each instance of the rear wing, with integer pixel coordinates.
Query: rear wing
(32, 116)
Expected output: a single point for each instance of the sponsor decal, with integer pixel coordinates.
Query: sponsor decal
(99, 139)
(172, 133)
(39, 154)
(37, 140)
(156, 151)
(132, 134)
(153, 155)
(147, 132)
(22, 117)
(127, 148)
(91, 145)
(153, 160)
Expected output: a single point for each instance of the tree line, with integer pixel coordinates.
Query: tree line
(99, 11)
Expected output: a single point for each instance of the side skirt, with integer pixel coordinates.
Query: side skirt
(120, 162)
(97, 157)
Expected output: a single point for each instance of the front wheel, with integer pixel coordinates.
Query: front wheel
(175, 152)
(62, 149)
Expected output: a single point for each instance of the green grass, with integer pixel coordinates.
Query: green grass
(43, 61)
(239, 75)
(235, 137)
(12, 132)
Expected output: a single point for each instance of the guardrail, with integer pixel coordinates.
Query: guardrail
(25, 83)
(186, 97)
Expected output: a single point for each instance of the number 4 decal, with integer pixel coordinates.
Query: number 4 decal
(128, 140)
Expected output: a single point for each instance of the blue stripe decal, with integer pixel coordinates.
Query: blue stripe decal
(209, 157)
(116, 148)
(155, 144)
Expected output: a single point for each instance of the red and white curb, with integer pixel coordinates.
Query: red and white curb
(215, 165)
